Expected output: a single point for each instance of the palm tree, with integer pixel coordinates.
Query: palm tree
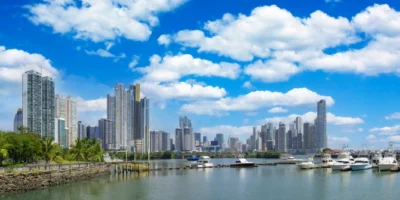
(49, 150)
(4, 147)
(95, 152)
(78, 150)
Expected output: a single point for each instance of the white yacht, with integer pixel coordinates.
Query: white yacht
(326, 160)
(241, 162)
(306, 164)
(376, 159)
(289, 159)
(204, 162)
(361, 164)
(388, 162)
(343, 162)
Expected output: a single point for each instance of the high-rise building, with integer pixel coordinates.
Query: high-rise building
(144, 121)
(32, 101)
(121, 117)
(93, 132)
(179, 139)
(66, 108)
(138, 140)
(289, 139)
(82, 132)
(107, 133)
(131, 94)
(165, 142)
(185, 122)
(276, 131)
(197, 139)
(38, 103)
(172, 145)
(61, 133)
(18, 120)
(205, 140)
(321, 124)
(282, 137)
(299, 134)
(155, 141)
(220, 138)
(188, 139)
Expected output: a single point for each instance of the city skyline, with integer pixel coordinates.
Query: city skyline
(225, 80)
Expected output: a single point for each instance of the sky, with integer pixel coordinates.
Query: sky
(228, 65)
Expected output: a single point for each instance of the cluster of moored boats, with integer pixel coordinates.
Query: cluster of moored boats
(204, 162)
(345, 162)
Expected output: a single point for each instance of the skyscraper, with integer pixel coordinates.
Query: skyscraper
(144, 122)
(66, 108)
(93, 132)
(32, 101)
(185, 122)
(321, 124)
(188, 139)
(18, 120)
(282, 137)
(204, 140)
(197, 139)
(106, 132)
(155, 141)
(121, 116)
(179, 139)
(138, 142)
(131, 95)
(60, 134)
(165, 142)
(38, 103)
(82, 132)
(220, 138)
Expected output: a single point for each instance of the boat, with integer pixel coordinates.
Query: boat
(241, 162)
(376, 159)
(343, 162)
(192, 158)
(204, 162)
(289, 159)
(361, 164)
(327, 160)
(306, 164)
(389, 161)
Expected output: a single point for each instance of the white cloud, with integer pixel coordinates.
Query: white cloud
(172, 68)
(101, 20)
(266, 29)
(271, 70)
(360, 129)
(371, 137)
(256, 100)
(134, 62)
(101, 53)
(393, 116)
(395, 138)
(334, 139)
(109, 45)
(180, 90)
(164, 40)
(310, 116)
(277, 110)
(92, 105)
(14, 62)
(332, 1)
(248, 85)
(387, 130)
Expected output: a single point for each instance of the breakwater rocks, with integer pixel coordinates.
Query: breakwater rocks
(21, 182)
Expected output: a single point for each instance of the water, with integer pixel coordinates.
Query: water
(264, 182)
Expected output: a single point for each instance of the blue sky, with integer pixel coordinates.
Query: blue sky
(227, 65)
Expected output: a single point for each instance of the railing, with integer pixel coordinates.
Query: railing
(43, 167)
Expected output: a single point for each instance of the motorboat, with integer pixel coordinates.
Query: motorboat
(361, 164)
(289, 159)
(306, 164)
(204, 162)
(192, 158)
(326, 160)
(241, 162)
(388, 162)
(343, 162)
(376, 159)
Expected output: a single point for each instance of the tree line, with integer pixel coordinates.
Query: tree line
(26, 147)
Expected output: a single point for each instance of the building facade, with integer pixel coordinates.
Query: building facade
(321, 124)
(18, 120)
(32, 101)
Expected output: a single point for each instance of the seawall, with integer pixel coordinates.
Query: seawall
(21, 182)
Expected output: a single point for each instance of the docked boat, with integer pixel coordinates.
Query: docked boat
(326, 160)
(306, 164)
(376, 159)
(388, 163)
(361, 164)
(289, 159)
(343, 162)
(204, 162)
(241, 162)
(192, 158)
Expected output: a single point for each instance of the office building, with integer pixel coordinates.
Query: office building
(179, 139)
(321, 124)
(18, 120)
(82, 132)
(220, 138)
(282, 137)
(165, 142)
(276, 131)
(61, 133)
(205, 140)
(144, 122)
(107, 133)
(66, 108)
(188, 139)
(185, 122)
(197, 139)
(93, 132)
(155, 141)
(172, 145)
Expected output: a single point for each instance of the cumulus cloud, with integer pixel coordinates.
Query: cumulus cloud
(172, 68)
(101, 20)
(371, 137)
(92, 105)
(256, 100)
(180, 90)
(271, 70)
(310, 117)
(393, 116)
(164, 40)
(277, 110)
(395, 138)
(134, 62)
(248, 85)
(387, 130)
(234, 131)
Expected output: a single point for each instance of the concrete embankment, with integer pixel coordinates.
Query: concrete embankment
(21, 182)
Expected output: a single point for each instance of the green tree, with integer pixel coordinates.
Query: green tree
(78, 150)
(49, 150)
